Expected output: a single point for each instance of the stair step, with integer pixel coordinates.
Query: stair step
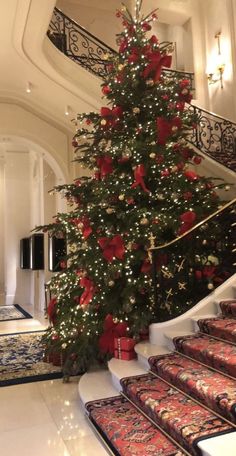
(185, 420)
(170, 335)
(145, 350)
(200, 317)
(127, 431)
(223, 328)
(228, 307)
(120, 369)
(209, 351)
(96, 385)
(212, 389)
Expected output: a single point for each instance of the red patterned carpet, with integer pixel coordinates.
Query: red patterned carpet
(185, 420)
(214, 353)
(223, 328)
(215, 390)
(127, 431)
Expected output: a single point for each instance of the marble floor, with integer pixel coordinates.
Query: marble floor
(44, 418)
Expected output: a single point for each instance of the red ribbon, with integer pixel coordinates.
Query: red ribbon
(51, 310)
(112, 248)
(105, 165)
(112, 330)
(111, 115)
(88, 293)
(139, 174)
(156, 62)
(164, 128)
(86, 229)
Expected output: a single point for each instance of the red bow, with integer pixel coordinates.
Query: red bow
(51, 310)
(88, 293)
(111, 331)
(156, 62)
(139, 174)
(112, 248)
(111, 115)
(105, 165)
(165, 128)
(86, 229)
(146, 266)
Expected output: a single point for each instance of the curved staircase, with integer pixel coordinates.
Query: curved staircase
(185, 404)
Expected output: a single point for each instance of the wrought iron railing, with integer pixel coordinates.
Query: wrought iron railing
(89, 51)
(214, 136)
(188, 268)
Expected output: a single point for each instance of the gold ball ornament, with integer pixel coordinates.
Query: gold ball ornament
(121, 197)
(132, 299)
(210, 286)
(103, 122)
(136, 110)
(80, 226)
(120, 67)
(144, 221)
(227, 188)
(174, 169)
(204, 242)
(174, 129)
(110, 210)
(149, 83)
(152, 155)
(111, 283)
(64, 346)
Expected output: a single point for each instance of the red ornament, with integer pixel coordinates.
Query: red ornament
(188, 196)
(106, 90)
(112, 330)
(156, 62)
(78, 183)
(208, 271)
(88, 121)
(139, 174)
(123, 46)
(134, 56)
(89, 290)
(160, 159)
(191, 175)
(112, 248)
(184, 83)
(63, 264)
(165, 173)
(118, 13)
(188, 217)
(74, 143)
(146, 26)
(197, 160)
(153, 40)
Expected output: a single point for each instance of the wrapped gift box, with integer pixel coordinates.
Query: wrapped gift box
(124, 348)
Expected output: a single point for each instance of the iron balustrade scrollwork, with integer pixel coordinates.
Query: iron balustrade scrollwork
(187, 269)
(214, 136)
(89, 51)
(78, 44)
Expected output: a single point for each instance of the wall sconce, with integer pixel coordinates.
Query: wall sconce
(217, 75)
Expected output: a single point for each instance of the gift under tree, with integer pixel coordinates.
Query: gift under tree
(144, 183)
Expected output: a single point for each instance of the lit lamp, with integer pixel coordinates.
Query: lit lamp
(217, 75)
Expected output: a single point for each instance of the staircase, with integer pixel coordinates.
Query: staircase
(185, 404)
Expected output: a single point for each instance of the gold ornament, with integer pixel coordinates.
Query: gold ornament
(174, 129)
(121, 197)
(227, 188)
(120, 67)
(204, 242)
(103, 122)
(111, 283)
(136, 110)
(105, 56)
(210, 286)
(144, 221)
(182, 285)
(149, 83)
(152, 155)
(64, 346)
(110, 210)
(174, 169)
(132, 299)
(80, 226)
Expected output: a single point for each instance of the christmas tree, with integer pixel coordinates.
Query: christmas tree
(144, 184)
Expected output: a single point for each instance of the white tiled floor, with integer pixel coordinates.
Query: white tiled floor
(44, 418)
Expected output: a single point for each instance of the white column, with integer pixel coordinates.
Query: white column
(2, 250)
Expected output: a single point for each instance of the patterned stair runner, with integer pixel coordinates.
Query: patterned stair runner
(224, 328)
(212, 389)
(214, 353)
(228, 307)
(126, 431)
(182, 418)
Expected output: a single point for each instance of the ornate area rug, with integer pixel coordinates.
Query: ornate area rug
(212, 389)
(21, 359)
(14, 312)
(214, 353)
(224, 328)
(182, 418)
(126, 431)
